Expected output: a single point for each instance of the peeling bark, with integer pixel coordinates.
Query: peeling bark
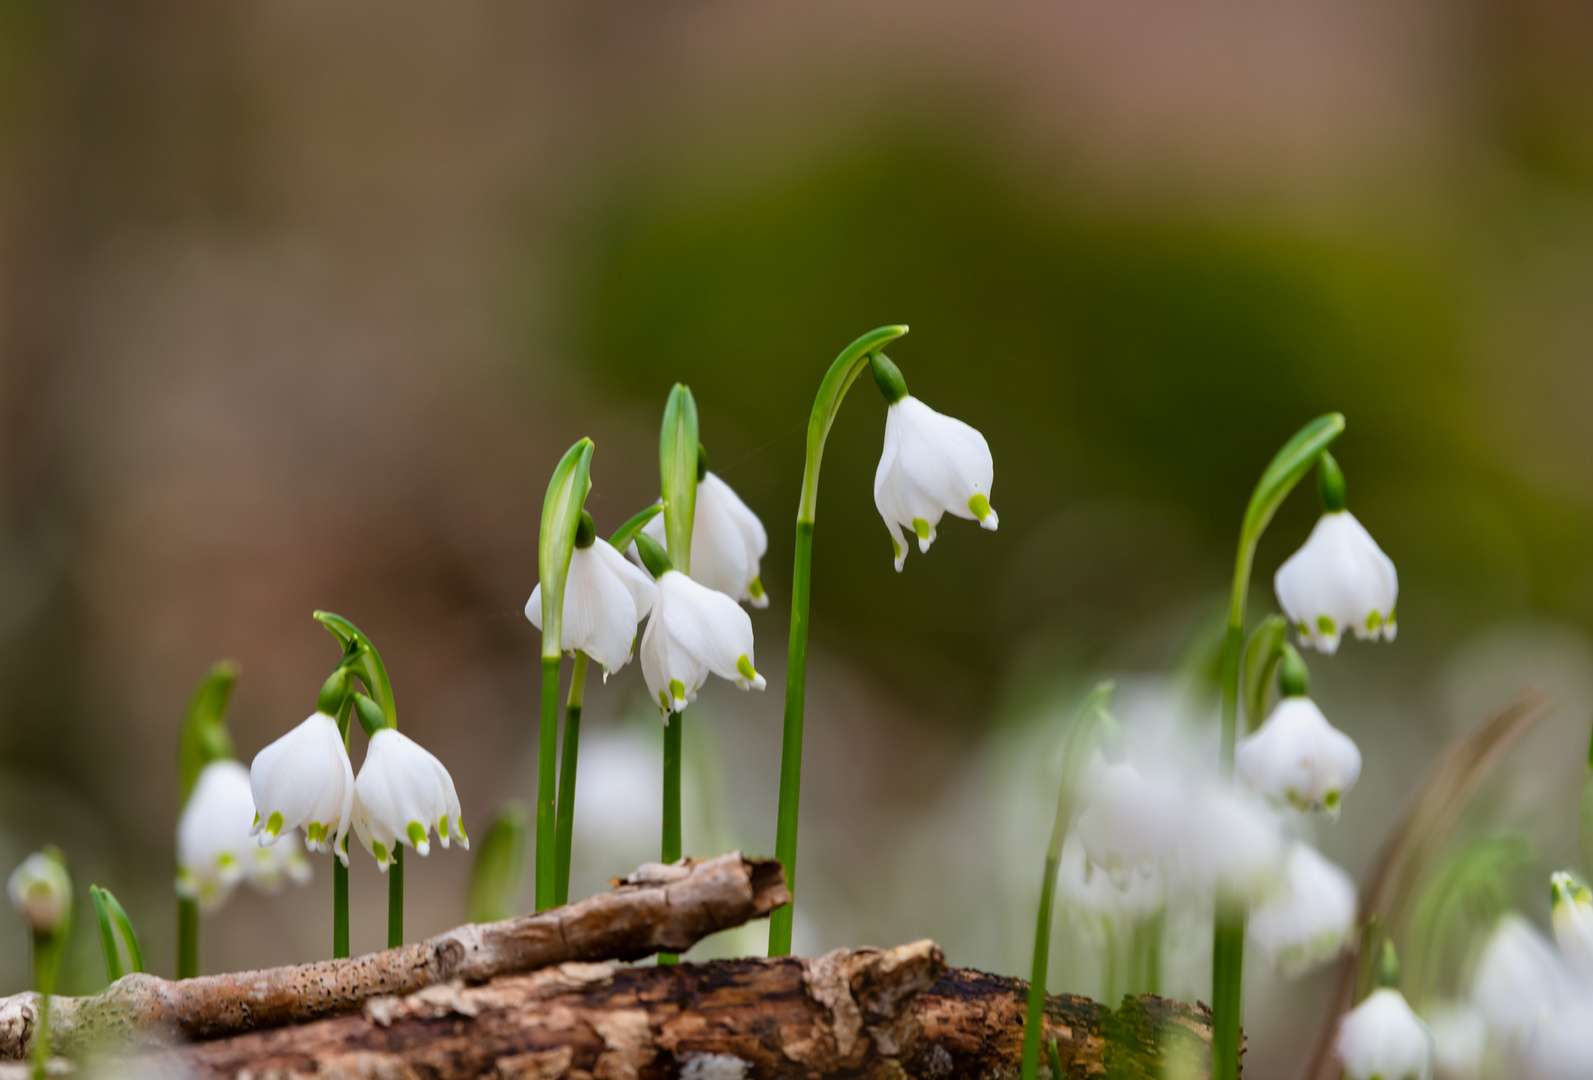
(657, 909)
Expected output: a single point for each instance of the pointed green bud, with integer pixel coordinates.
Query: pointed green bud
(1330, 481)
(677, 465)
(888, 377)
(1388, 967)
(654, 557)
(370, 714)
(333, 691)
(1294, 679)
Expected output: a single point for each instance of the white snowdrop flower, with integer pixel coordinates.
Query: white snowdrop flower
(1573, 922)
(1298, 757)
(215, 850)
(727, 542)
(304, 780)
(41, 891)
(1091, 892)
(1339, 581)
(1230, 842)
(932, 465)
(1519, 980)
(695, 631)
(1310, 915)
(1382, 1039)
(403, 792)
(1460, 1039)
(1128, 822)
(605, 597)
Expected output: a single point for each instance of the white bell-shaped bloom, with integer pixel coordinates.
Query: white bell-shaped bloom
(605, 597)
(695, 631)
(1310, 915)
(1298, 757)
(1230, 842)
(1091, 892)
(932, 465)
(727, 542)
(304, 780)
(1519, 980)
(215, 850)
(403, 792)
(1129, 823)
(1573, 922)
(41, 891)
(1339, 581)
(1383, 1039)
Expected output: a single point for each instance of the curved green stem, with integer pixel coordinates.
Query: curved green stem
(670, 848)
(547, 764)
(564, 826)
(187, 937)
(852, 362)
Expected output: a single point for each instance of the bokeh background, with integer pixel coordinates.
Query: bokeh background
(300, 303)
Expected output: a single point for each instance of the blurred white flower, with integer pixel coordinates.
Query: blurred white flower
(1299, 757)
(1563, 1047)
(932, 465)
(727, 542)
(1519, 980)
(605, 597)
(1090, 892)
(1460, 1039)
(1310, 915)
(402, 793)
(695, 631)
(41, 891)
(1339, 581)
(1128, 824)
(304, 779)
(1573, 922)
(215, 850)
(1230, 842)
(1382, 1039)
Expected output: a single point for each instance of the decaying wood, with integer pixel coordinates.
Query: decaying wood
(657, 909)
(862, 1013)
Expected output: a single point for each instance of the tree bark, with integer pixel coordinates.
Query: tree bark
(657, 909)
(855, 1013)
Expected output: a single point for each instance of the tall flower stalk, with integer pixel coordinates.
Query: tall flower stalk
(1286, 469)
(204, 739)
(564, 815)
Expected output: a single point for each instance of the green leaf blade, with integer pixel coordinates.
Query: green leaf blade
(561, 516)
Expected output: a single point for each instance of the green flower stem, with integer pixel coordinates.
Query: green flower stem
(852, 362)
(565, 820)
(339, 909)
(1285, 469)
(395, 898)
(1587, 813)
(46, 958)
(187, 937)
(547, 765)
(671, 839)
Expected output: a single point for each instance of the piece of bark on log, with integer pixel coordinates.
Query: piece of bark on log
(863, 1013)
(657, 909)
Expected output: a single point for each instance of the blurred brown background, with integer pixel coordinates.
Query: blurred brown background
(299, 304)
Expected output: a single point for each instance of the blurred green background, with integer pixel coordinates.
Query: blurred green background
(299, 305)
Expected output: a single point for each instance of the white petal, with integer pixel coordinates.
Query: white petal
(1338, 582)
(1298, 757)
(399, 789)
(533, 607)
(931, 465)
(304, 777)
(599, 611)
(1383, 1038)
(1310, 917)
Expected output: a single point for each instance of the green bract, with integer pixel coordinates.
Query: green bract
(361, 660)
(561, 516)
(677, 466)
(204, 735)
(626, 533)
(115, 924)
(837, 381)
(1262, 653)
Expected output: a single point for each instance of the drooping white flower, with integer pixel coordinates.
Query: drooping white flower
(1339, 581)
(1092, 893)
(1573, 922)
(1519, 980)
(1310, 915)
(932, 465)
(1382, 1039)
(1298, 757)
(215, 849)
(605, 597)
(41, 891)
(403, 792)
(1128, 824)
(304, 780)
(694, 632)
(1229, 842)
(727, 542)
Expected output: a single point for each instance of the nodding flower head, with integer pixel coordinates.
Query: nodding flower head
(1339, 582)
(932, 465)
(403, 792)
(41, 891)
(695, 632)
(1573, 921)
(304, 780)
(1300, 758)
(1383, 1039)
(1126, 827)
(215, 850)
(727, 542)
(605, 597)
(1309, 917)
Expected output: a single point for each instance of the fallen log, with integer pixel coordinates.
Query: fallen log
(657, 909)
(855, 1013)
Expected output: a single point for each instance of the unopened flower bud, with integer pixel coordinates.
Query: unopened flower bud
(41, 890)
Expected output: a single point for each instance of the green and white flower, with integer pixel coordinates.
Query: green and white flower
(1519, 980)
(695, 631)
(605, 597)
(932, 465)
(1309, 917)
(1383, 1039)
(41, 891)
(215, 850)
(1127, 823)
(403, 792)
(1339, 582)
(727, 542)
(1300, 758)
(1573, 922)
(304, 780)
